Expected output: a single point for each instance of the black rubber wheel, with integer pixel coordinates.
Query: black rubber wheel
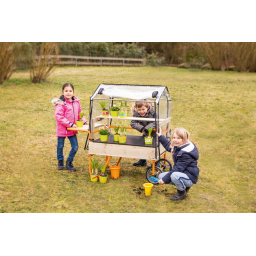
(164, 164)
(149, 174)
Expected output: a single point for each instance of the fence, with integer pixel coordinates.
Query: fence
(97, 61)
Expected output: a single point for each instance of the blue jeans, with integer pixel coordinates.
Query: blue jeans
(179, 179)
(60, 146)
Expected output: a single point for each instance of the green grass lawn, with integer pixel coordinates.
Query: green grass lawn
(217, 108)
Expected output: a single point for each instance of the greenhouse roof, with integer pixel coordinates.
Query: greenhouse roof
(136, 92)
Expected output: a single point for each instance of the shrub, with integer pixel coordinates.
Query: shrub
(46, 57)
(6, 59)
(215, 52)
(154, 60)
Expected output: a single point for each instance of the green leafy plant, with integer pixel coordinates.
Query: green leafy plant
(95, 165)
(115, 108)
(103, 105)
(116, 128)
(150, 129)
(81, 116)
(104, 132)
(102, 168)
(123, 131)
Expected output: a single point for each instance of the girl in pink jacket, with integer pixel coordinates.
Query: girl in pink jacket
(67, 109)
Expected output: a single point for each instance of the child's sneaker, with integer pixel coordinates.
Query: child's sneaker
(141, 162)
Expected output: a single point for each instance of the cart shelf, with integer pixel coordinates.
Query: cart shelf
(131, 118)
(131, 140)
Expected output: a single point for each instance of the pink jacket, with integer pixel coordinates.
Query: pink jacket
(66, 114)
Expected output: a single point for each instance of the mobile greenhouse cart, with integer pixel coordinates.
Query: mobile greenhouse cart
(109, 95)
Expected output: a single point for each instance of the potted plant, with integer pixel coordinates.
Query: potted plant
(149, 138)
(123, 110)
(80, 122)
(114, 111)
(104, 135)
(105, 111)
(116, 135)
(94, 166)
(103, 176)
(122, 136)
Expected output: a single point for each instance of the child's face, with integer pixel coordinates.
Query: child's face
(177, 141)
(68, 93)
(142, 111)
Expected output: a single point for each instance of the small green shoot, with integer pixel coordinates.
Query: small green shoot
(103, 105)
(81, 115)
(116, 128)
(150, 129)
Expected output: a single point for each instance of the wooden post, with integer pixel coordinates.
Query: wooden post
(118, 161)
(153, 167)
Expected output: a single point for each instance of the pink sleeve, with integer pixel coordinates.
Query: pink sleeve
(59, 115)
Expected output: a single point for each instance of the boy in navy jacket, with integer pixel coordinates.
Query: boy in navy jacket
(185, 172)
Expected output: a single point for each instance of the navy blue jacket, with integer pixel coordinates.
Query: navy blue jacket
(185, 160)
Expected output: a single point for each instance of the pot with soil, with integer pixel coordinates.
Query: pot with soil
(123, 110)
(104, 135)
(149, 138)
(122, 136)
(114, 111)
(80, 122)
(116, 135)
(105, 112)
(103, 176)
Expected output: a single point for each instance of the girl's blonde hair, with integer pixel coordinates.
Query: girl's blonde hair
(141, 103)
(182, 133)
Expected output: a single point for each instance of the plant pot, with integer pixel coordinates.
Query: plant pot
(123, 114)
(148, 141)
(115, 172)
(148, 188)
(114, 113)
(103, 138)
(103, 179)
(79, 123)
(122, 139)
(94, 178)
(116, 137)
(105, 113)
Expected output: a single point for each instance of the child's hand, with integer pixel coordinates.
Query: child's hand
(86, 122)
(160, 132)
(161, 182)
(74, 126)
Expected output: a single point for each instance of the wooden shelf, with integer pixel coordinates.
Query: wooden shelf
(132, 118)
(85, 127)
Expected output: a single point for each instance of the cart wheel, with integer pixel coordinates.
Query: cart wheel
(165, 167)
(153, 178)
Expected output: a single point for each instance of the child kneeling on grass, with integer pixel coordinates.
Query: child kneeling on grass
(185, 172)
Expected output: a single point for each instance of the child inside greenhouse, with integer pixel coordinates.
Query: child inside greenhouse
(144, 109)
(185, 172)
(67, 109)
